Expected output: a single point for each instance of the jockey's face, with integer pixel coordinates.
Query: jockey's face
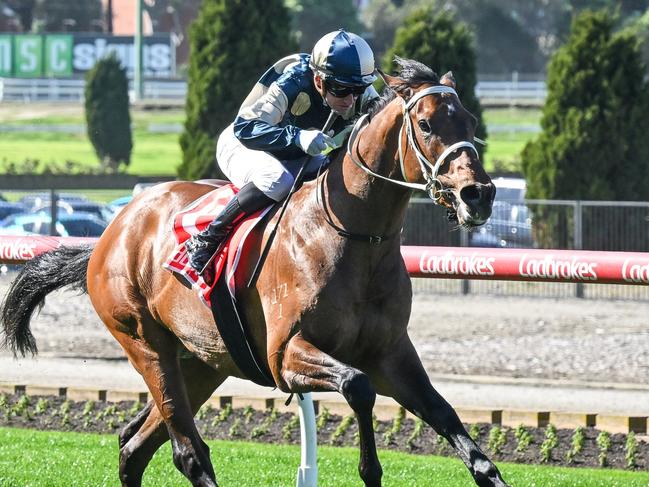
(339, 104)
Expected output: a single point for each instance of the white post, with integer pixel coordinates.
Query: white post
(307, 472)
(138, 70)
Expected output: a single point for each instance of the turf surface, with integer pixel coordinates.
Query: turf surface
(35, 458)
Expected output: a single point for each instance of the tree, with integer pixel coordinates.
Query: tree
(438, 40)
(107, 113)
(593, 144)
(314, 18)
(24, 9)
(505, 45)
(639, 26)
(381, 19)
(232, 43)
(510, 35)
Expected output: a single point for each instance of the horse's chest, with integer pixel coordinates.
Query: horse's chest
(339, 301)
(343, 324)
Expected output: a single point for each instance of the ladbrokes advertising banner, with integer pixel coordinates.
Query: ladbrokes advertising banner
(67, 55)
(446, 262)
(528, 264)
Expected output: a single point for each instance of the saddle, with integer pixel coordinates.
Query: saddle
(220, 293)
(196, 217)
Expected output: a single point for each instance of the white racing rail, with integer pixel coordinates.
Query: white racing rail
(61, 90)
(71, 90)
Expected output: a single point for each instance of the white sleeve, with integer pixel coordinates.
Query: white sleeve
(270, 107)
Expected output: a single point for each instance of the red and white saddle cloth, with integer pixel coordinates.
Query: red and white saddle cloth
(195, 218)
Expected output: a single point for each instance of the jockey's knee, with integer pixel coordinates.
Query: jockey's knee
(275, 184)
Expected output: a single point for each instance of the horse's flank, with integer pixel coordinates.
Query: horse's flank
(124, 278)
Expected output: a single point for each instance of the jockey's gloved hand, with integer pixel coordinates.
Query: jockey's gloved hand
(313, 142)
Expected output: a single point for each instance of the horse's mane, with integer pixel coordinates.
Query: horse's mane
(412, 74)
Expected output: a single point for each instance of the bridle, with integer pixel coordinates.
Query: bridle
(433, 187)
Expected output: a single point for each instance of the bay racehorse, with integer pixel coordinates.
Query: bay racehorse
(340, 322)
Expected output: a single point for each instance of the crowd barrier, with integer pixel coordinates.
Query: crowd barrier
(580, 266)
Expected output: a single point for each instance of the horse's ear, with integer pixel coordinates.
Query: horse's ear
(397, 84)
(448, 80)
(390, 81)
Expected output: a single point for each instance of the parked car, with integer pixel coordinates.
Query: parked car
(100, 210)
(81, 224)
(510, 224)
(76, 224)
(118, 204)
(33, 200)
(139, 187)
(510, 189)
(7, 208)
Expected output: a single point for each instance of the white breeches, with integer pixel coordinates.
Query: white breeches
(242, 165)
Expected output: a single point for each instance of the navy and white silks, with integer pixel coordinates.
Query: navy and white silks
(261, 145)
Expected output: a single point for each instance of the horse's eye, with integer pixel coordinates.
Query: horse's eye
(424, 126)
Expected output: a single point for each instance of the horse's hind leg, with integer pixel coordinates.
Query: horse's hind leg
(142, 437)
(402, 376)
(305, 367)
(153, 351)
(135, 424)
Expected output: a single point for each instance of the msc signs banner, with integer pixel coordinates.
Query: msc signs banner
(66, 55)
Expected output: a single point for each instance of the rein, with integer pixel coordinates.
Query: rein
(433, 186)
(360, 237)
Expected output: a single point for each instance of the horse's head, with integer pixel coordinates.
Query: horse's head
(436, 143)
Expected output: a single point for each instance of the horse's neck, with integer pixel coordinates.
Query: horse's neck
(361, 202)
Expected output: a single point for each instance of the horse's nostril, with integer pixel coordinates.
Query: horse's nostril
(478, 199)
(477, 194)
(470, 194)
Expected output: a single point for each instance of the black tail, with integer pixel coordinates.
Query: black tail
(65, 266)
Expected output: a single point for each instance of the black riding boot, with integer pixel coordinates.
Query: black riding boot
(202, 246)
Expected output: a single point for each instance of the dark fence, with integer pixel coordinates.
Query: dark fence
(587, 225)
(584, 225)
(548, 224)
(51, 182)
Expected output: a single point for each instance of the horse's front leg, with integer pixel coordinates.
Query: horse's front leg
(402, 376)
(305, 368)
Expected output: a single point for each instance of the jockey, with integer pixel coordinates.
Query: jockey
(280, 123)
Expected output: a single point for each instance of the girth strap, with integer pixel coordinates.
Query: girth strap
(236, 335)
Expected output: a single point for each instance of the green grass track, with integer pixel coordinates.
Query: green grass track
(36, 458)
(153, 154)
(156, 154)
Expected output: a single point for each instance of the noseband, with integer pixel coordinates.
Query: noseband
(433, 187)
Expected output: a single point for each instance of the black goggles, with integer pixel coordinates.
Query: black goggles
(341, 91)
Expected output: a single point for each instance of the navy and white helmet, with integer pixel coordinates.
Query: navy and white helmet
(344, 58)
